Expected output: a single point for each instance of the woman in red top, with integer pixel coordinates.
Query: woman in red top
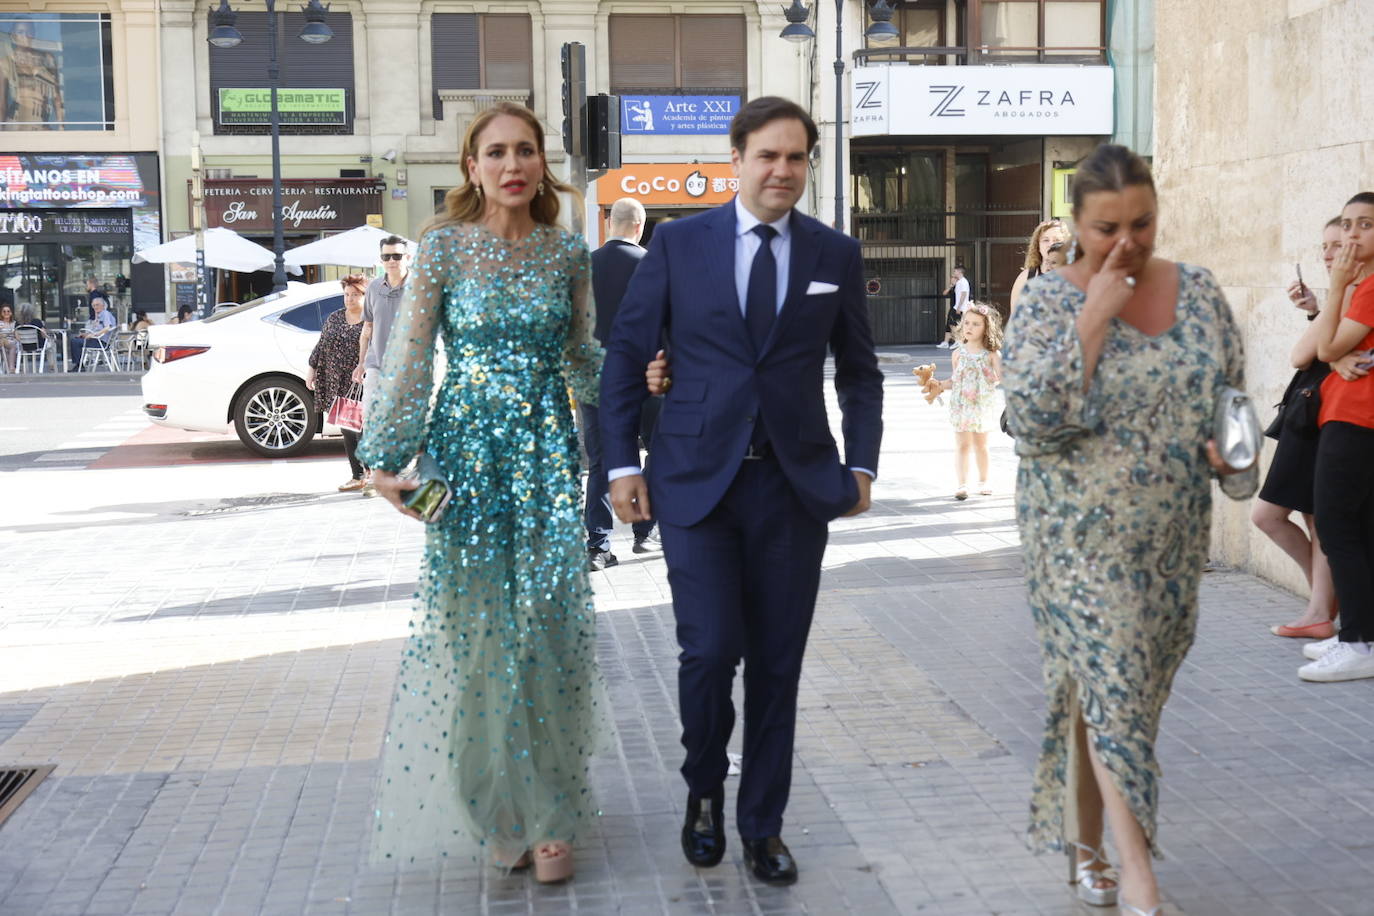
(1344, 494)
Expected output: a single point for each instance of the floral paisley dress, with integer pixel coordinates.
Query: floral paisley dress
(498, 703)
(973, 392)
(1113, 499)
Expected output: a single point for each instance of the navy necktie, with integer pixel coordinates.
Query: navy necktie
(761, 296)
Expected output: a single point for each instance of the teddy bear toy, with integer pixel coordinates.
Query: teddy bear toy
(931, 387)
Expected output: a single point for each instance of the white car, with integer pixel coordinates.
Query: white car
(244, 366)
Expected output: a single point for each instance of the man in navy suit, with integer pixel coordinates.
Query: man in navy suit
(745, 474)
(613, 264)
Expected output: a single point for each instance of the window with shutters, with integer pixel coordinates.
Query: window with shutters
(480, 51)
(1058, 31)
(677, 54)
(304, 66)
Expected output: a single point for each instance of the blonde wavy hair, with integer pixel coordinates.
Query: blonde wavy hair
(1033, 258)
(464, 203)
(992, 319)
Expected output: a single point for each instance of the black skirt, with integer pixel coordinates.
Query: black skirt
(1292, 473)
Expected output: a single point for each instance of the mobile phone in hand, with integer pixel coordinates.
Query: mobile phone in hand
(1298, 268)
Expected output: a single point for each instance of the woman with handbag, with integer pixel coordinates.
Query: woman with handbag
(1288, 486)
(331, 372)
(499, 704)
(1344, 491)
(1113, 375)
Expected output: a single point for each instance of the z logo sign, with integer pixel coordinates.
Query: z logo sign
(868, 88)
(951, 93)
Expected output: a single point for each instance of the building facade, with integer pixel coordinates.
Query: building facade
(80, 177)
(966, 133)
(373, 119)
(1265, 130)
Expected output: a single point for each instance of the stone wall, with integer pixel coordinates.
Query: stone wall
(1264, 128)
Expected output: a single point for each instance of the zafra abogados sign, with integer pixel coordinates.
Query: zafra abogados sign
(294, 106)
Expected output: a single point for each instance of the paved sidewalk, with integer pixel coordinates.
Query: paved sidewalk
(207, 654)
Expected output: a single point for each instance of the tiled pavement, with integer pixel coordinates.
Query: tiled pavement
(213, 687)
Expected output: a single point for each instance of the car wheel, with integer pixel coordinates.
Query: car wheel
(275, 417)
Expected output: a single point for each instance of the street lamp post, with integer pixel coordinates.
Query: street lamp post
(882, 31)
(223, 34)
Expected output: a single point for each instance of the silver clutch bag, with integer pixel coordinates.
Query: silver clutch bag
(1236, 430)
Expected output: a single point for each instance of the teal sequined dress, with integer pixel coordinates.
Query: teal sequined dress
(498, 703)
(1113, 500)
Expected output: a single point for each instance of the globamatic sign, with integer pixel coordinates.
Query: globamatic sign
(294, 106)
(677, 114)
(961, 101)
(308, 205)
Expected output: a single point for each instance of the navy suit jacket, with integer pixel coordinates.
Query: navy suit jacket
(613, 264)
(684, 289)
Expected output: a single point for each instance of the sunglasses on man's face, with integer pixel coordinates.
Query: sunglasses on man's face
(395, 256)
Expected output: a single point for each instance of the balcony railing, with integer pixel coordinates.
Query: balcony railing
(980, 54)
(944, 226)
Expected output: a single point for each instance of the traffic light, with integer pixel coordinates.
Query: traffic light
(603, 132)
(574, 59)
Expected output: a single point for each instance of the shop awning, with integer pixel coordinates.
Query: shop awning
(224, 249)
(360, 247)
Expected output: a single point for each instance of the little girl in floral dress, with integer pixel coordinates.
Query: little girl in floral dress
(973, 407)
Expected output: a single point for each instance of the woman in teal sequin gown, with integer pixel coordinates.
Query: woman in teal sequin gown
(499, 703)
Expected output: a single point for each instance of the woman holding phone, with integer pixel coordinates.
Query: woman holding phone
(1344, 493)
(499, 703)
(1288, 486)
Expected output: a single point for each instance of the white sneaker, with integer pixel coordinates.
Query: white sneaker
(942, 346)
(1343, 663)
(1315, 650)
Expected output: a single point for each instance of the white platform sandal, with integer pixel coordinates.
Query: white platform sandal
(1129, 910)
(1087, 880)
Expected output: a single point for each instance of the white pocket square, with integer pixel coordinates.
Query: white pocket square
(820, 286)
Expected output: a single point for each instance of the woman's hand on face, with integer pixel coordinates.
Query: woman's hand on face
(1348, 366)
(658, 374)
(1302, 297)
(1218, 465)
(1344, 269)
(1108, 288)
(394, 488)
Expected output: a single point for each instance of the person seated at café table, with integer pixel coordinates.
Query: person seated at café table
(99, 332)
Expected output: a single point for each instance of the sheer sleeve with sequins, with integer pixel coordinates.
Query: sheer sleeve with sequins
(397, 414)
(1048, 409)
(581, 354)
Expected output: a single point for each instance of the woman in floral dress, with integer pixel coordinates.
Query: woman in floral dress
(1112, 368)
(499, 703)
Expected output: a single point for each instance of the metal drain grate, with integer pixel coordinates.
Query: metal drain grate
(16, 784)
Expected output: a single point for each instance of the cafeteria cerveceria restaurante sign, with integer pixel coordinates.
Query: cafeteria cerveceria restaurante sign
(309, 205)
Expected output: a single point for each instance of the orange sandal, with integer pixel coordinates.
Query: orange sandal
(1323, 630)
(553, 862)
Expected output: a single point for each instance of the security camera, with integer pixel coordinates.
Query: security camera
(389, 155)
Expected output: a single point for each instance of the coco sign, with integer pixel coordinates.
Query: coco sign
(308, 205)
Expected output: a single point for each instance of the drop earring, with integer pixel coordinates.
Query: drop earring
(540, 189)
(478, 188)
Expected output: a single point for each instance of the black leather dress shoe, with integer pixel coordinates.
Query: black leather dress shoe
(770, 860)
(703, 832)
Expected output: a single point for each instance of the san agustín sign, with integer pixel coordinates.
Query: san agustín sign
(308, 205)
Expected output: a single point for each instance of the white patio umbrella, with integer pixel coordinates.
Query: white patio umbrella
(360, 247)
(224, 249)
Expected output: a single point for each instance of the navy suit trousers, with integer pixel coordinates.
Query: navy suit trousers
(744, 582)
(597, 511)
